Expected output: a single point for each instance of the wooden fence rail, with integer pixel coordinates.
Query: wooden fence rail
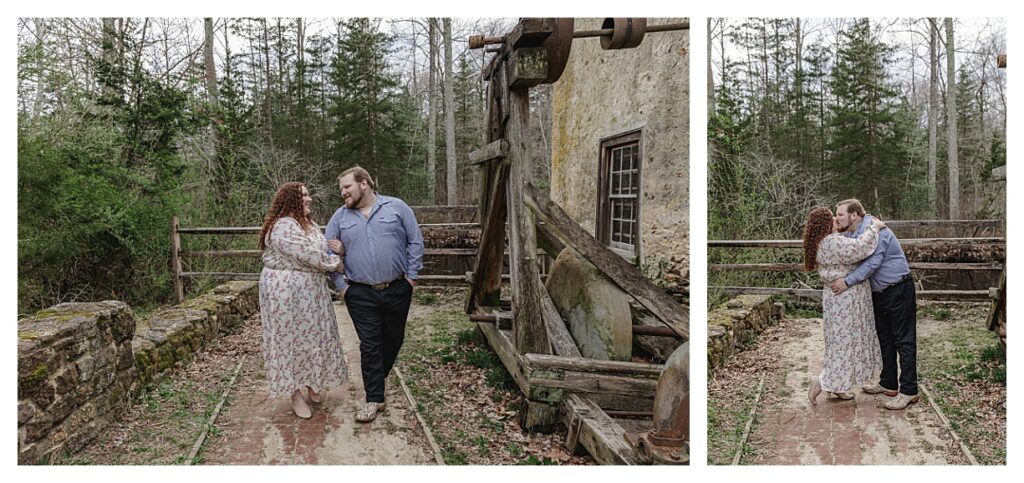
(439, 224)
(969, 254)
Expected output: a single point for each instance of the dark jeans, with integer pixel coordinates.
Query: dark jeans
(896, 325)
(379, 318)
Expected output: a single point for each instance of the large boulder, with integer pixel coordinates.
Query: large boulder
(596, 310)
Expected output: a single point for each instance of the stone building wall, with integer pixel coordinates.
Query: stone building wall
(603, 93)
(79, 363)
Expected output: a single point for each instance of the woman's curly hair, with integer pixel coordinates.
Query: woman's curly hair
(819, 226)
(287, 202)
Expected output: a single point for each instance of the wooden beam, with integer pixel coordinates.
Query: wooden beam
(495, 150)
(486, 287)
(591, 428)
(562, 343)
(179, 289)
(590, 382)
(502, 345)
(951, 295)
(620, 272)
(531, 334)
(799, 267)
(928, 242)
(580, 364)
(548, 242)
(529, 67)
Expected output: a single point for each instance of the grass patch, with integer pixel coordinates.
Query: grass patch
(726, 421)
(465, 394)
(964, 367)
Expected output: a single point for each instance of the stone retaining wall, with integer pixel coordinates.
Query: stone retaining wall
(79, 363)
(737, 324)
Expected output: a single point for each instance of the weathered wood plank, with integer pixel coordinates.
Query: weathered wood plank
(495, 150)
(620, 272)
(486, 287)
(503, 347)
(594, 430)
(963, 295)
(582, 364)
(589, 382)
(255, 230)
(562, 343)
(548, 242)
(179, 289)
(530, 332)
(925, 242)
(799, 267)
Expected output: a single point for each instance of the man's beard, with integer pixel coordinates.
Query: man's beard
(354, 200)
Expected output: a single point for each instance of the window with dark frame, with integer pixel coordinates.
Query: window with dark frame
(618, 212)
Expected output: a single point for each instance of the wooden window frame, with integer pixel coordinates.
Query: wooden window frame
(603, 225)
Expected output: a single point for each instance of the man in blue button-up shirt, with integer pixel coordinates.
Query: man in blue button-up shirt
(894, 298)
(383, 254)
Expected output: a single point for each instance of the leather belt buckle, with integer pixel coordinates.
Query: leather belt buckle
(379, 286)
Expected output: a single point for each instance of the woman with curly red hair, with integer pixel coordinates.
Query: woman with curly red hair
(852, 354)
(301, 345)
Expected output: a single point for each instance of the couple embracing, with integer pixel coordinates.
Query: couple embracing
(372, 248)
(869, 327)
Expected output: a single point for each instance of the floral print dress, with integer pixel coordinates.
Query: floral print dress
(301, 346)
(852, 354)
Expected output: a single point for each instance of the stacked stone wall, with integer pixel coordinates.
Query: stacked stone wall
(79, 363)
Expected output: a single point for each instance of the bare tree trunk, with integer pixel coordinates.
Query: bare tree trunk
(951, 116)
(933, 113)
(220, 175)
(109, 54)
(40, 24)
(449, 116)
(711, 80)
(432, 113)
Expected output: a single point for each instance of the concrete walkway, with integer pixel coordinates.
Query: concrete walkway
(257, 430)
(854, 432)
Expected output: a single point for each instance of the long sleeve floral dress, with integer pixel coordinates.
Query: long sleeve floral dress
(301, 346)
(852, 354)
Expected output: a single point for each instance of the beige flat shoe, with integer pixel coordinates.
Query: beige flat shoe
(369, 411)
(314, 397)
(300, 407)
(845, 396)
(901, 401)
(877, 389)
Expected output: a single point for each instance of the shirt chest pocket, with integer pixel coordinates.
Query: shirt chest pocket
(390, 225)
(347, 231)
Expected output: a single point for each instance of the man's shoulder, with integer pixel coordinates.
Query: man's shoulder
(394, 202)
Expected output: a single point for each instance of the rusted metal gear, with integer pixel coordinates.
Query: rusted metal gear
(558, 45)
(626, 32)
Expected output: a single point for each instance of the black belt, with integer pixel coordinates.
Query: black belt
(378, 286)
(905, 278)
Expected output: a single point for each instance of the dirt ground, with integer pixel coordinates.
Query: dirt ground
(461, 390)
(788, 430)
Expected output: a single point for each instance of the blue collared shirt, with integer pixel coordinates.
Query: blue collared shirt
(886, 266)
(379, 248)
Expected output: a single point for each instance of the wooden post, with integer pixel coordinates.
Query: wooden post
(179, 290)
(620, 272)
(530, 332)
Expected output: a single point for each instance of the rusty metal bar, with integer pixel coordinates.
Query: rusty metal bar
(629, 414)
(668, 27)
(655, 331)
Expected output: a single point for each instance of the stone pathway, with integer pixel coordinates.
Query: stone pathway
(855, 432)
(258, 430)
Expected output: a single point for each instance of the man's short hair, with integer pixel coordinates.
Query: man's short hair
(359, 174)
(852, 206)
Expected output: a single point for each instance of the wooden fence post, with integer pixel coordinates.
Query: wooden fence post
(179, 290)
